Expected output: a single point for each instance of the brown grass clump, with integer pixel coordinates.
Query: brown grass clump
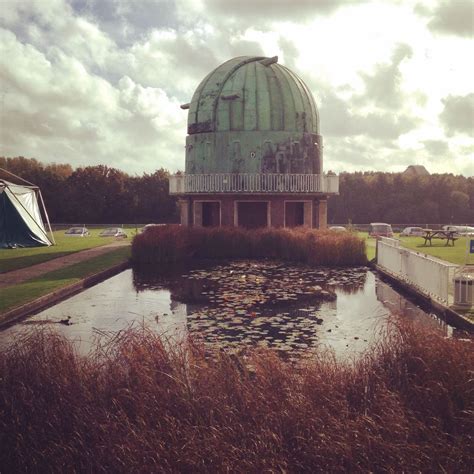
(135, 407)
(174, 243)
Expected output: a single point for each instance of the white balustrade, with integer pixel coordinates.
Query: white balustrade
(430, 275)
(253, 183)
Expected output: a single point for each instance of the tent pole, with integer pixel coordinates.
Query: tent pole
(47, 217)
(16, 176)
(26, 210)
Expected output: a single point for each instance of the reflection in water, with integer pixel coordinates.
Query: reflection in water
(289, 308)
(398, 304)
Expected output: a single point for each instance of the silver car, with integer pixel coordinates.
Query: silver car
(77, 232)
(412, 231)
(113, 232)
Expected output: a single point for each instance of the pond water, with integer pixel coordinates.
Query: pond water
(290, 308)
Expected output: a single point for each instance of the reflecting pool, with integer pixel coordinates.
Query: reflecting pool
(233, 305)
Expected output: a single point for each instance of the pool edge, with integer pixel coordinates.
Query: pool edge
(20, 312)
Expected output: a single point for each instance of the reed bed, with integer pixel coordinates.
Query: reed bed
(173, 243)
(134, 406)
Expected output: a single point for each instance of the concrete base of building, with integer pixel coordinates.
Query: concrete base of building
(254, 211)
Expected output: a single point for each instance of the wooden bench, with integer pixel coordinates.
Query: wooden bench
(448, 235)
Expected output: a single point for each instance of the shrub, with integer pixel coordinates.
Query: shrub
(174, 243)
(135, 406)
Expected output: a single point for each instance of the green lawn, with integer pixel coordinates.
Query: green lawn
(453, 254)
(456, 254)
(369, 245)
(12, 259)
(17, 295)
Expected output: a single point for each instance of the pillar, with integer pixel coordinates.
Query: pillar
(321, 214)
(185, 211)
(197, 218)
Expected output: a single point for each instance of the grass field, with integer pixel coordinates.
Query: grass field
(13, 259)
(22, 293)
(369, 245)
(453, 254)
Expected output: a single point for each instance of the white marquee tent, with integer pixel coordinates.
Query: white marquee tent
(21, 224)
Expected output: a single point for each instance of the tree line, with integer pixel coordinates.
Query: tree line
(102, 194)
(399, 198)
(96, 194)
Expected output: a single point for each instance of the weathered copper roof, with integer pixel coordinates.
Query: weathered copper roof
(249, 94)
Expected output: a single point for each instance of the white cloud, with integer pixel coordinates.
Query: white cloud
(453, 17)
(101, 81)
(458, 114)
(54, 109)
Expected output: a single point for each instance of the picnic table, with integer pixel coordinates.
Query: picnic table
(448, 235)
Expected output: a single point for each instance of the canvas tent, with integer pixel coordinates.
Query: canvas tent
(21, 224)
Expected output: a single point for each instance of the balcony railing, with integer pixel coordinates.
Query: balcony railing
(254, 183)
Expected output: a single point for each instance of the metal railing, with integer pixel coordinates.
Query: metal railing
(254, 183)
(431, 276)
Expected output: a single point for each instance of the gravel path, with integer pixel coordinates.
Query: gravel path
(21, 275)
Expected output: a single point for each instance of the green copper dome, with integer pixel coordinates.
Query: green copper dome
(253, 115)
(250, 94)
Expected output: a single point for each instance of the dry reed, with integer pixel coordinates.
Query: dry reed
(174, 243)
(134, 406)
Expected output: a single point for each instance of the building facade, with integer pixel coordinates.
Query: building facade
(254, 153)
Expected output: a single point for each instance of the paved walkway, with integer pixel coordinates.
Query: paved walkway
(19, 276)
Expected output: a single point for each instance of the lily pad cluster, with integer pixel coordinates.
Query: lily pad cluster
(261, 303)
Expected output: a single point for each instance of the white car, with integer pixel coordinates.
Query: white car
(77, 232)
(460, 229)
(412, 231)
(113, 232)
(338, 228)
(380, 229)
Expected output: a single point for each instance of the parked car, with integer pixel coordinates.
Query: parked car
(412, 231)
(77, 232)
(460, 229)
(338, 228)
(113, 232)
(149, 226)
(380, 229)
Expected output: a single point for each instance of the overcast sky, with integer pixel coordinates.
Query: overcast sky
(100, 81)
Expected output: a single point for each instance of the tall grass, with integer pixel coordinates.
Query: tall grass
(174, 243)
(133, 406)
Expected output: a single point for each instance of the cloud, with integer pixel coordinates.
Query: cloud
(127, 21)
(290, 51)
(436, 147)
(458, 114)
(52, 24)
(336, 118)
(341, 118)
(383, 86)
(453, 17)
(271, 10)
(177, 61)
(100, 81)
(386, 126)
(55, 109)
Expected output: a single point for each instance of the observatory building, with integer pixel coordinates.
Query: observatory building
(254, 153)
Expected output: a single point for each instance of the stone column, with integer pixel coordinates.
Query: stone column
(197, 218)
(321, 214)
(308, 213)
(277, 209)
(184, 207)
(227, 212)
